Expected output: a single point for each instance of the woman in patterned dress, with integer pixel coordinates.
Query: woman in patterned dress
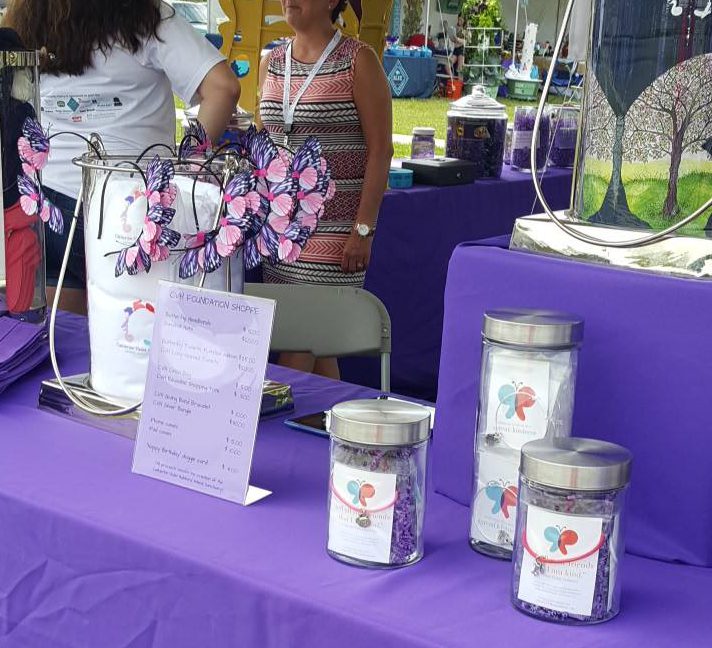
(347, 106)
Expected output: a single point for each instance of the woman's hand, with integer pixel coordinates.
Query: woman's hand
(357, 253)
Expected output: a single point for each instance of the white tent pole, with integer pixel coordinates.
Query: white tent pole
(447, 40)
(427, 21)
(514, 41)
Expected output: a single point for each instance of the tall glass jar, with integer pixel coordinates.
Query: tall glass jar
(564, 136)
(569, 538)
(22, 232)
(523, 139)
(377, 482)
(527, 384)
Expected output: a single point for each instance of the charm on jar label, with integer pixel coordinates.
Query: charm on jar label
(361, 513)
(560, 560)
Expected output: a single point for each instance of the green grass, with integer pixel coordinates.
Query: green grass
(594, 191)
(409, 113)
(179, 127)
(646, 197)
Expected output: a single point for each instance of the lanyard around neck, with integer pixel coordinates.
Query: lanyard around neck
(287, 108)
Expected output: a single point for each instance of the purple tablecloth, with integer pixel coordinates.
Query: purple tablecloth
(93, 556)
(418, 229)
(645, 371)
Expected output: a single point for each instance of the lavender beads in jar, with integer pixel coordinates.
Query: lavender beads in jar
(564, 136)
(423, 144)
(527, 386)
(569, 536)
(377, 482)
(476, 132)
(523, 139)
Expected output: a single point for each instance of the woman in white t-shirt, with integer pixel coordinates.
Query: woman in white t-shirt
(113, 69)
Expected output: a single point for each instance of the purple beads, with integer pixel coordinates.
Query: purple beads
(523, 139)
(608, 507)
(478, 140)
(408, 464)
(564, 134)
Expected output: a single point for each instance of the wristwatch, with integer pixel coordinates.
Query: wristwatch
(364, 230)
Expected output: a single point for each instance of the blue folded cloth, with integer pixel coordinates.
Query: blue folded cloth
(23, 346)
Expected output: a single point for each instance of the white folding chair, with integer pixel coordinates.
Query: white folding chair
(329, 321)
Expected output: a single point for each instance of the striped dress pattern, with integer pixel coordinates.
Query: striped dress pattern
(328, 112)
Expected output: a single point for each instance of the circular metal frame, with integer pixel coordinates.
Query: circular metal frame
(584, 238)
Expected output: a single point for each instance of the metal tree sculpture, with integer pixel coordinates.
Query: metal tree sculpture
(672, 117)
(633, 44)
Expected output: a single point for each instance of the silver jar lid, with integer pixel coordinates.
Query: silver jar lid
(576, 464)
(380, 422)
(532, 328)
(478, 105)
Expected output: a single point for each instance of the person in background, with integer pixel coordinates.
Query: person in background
(458, 39)
(346, 104)
(419, 40)
(113, 68)
(416, 40)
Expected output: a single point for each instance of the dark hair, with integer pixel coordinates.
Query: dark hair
(338, 10)
(72, 30)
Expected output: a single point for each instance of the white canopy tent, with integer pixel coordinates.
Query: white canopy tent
(545, 13)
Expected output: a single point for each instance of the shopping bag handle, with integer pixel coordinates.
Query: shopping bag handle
(641, 241)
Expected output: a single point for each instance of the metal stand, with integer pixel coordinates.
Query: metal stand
(276, 399)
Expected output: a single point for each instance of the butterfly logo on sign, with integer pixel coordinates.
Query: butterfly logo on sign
(560, 538)
(360, 491)
(516, 397)
(503, 496)
(139, 313)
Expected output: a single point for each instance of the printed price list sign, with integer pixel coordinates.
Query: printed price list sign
(204, 390)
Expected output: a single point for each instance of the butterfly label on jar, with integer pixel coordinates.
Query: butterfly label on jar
(495, 506)
(560, 560)
(361, 513)
(517, 402)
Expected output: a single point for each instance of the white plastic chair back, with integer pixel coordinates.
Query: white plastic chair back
(329, 321)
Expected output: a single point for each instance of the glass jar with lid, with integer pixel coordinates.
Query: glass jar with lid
(527, 384)
(423, 144)
(476, 131)
(569, 538)
(523, 139)
(564, 136)
(377, 482)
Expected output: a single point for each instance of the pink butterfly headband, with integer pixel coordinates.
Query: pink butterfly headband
(270, 210)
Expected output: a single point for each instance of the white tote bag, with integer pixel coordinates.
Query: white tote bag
(121, 308)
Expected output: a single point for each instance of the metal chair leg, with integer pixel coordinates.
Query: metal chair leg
(386, 373)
